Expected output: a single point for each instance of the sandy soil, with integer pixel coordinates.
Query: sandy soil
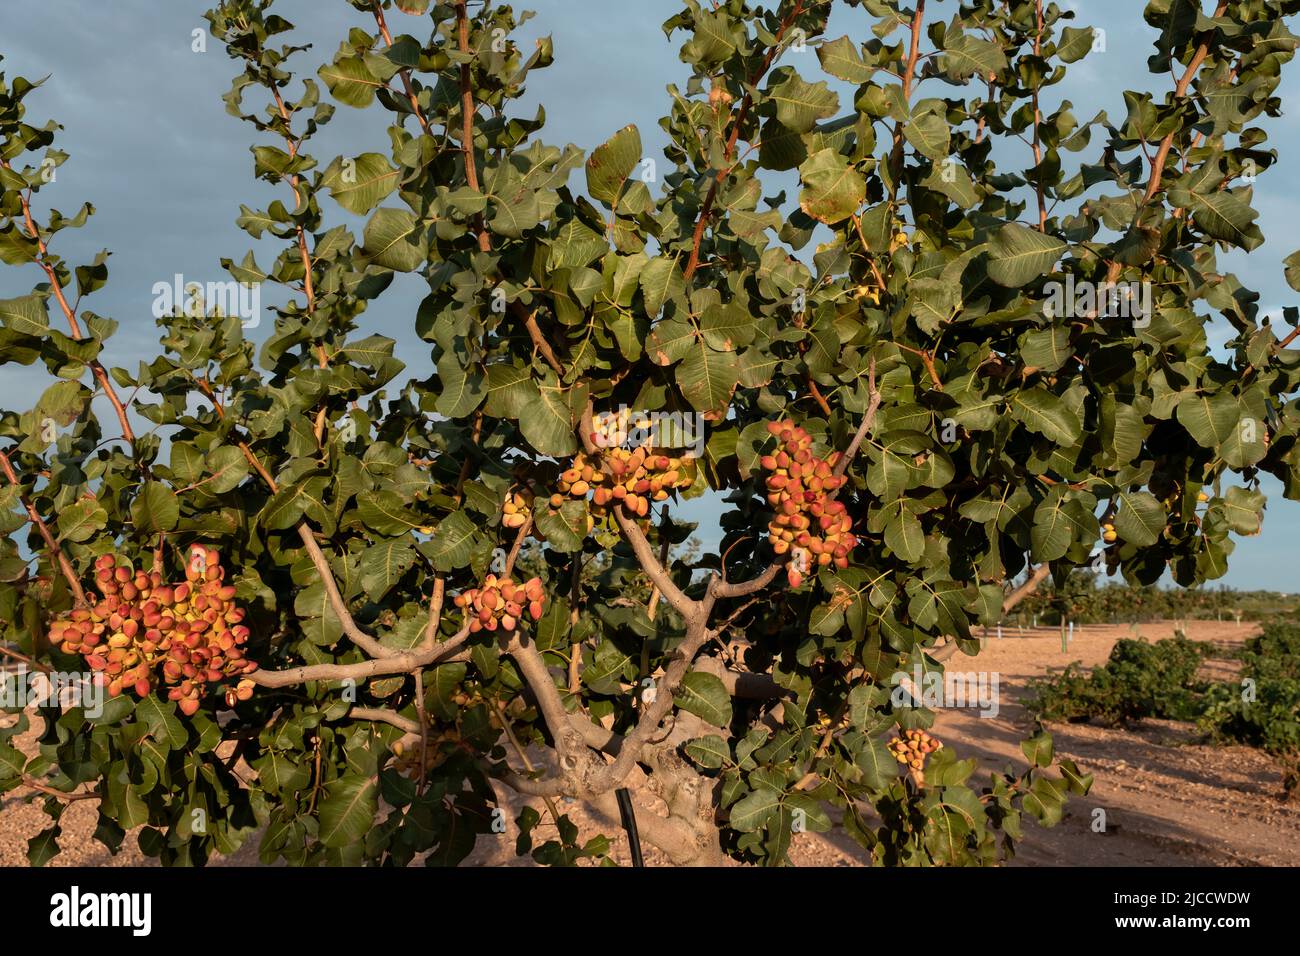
(1168, 799)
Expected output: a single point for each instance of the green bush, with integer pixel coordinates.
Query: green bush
(1138, 680)
(1263, 709)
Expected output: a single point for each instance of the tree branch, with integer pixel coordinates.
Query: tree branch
(738, 120)
(405, 74)
(538, 675)
(1166, 144)
(467, 118)
(52, 547)
(96, 367)
(697, 635)
(385, 716)
(1027, 588)
(868, 422)
(406, 662)
(637, 539)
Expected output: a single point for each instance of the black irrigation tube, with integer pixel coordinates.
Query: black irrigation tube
(628, 816)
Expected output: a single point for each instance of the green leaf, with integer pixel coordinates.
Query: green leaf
(452, 543)
(278, 772)
(712, 42)
(1038, 749)
(228, 468)
(81, 520)
(709, 752)
(1045, 802)
(549, 423)
(26, 315)
(463, 390)
(661, 281)
(565, 528)
(347, 811)
(755, 811)
(1140, 519)
(1046, 349)
(393, 239)
(1075, 43)
(350, 82)
(1045, 413)
(842, 59)
(904, 535)
(728, 327)
(611, 163)
(44, 846)
(928, 133)
(1053, 529)
(63, 403)
(382, 566)
(575, 245)
(968, 55)
(290, 503)
(1291, 262)
(705, 696)
(1018, 255)
(164, 726)
(833, 189)
(1226, 216)
(156, 508)
(1244, 509)
(707, 378)
(800, 105)
(1209, 419)
(952, 179)
(360, 184)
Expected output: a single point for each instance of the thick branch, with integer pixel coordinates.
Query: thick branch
(697, 635)
(384, 716)
(529, 320)
(649, 562)
(637, 540)
(543, 686)
(402, 663)
(1027, 588)
(358, 637)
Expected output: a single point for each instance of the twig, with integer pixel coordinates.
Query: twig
(523, 758)
(43, 668)
(737, 121)
(1162, 154)
(34, 784)
(55, 552)
(868, 422)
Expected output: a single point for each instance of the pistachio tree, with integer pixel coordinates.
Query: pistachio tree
(923, 336)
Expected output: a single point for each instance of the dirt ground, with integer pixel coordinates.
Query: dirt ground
(1168, 800)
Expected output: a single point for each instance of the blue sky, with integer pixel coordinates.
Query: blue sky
(154, 150)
